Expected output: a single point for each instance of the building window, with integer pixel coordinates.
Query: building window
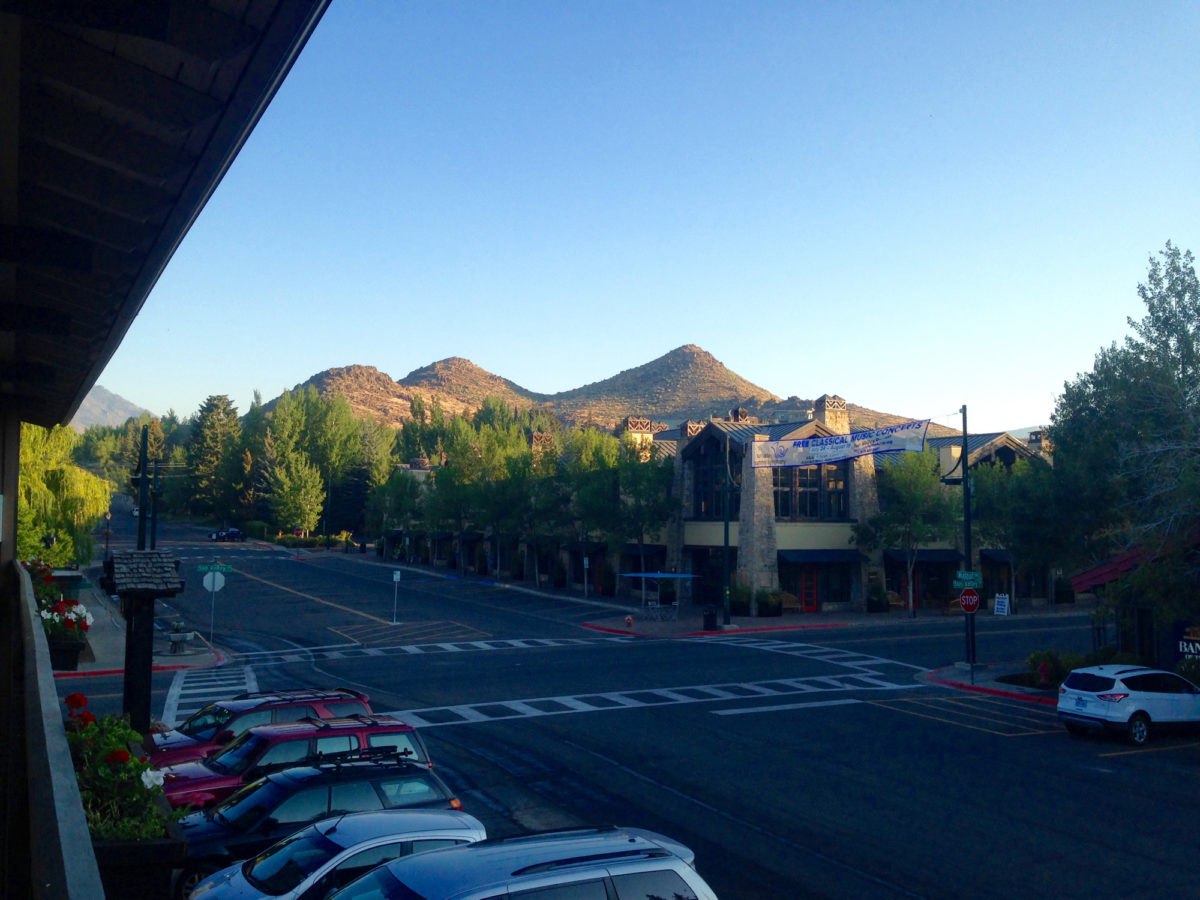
(709, 475)
(811, 492)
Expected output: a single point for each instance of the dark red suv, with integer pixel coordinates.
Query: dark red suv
(266, 748)
(214, 726)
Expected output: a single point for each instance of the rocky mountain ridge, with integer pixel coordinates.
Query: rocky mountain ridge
(687, 383)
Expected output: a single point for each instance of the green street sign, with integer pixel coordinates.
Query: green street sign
(214, 567)
(971, 580)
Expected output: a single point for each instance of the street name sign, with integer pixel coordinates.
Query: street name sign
(214, 567)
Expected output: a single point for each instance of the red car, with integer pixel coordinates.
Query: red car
(211, 728)
(264, 749)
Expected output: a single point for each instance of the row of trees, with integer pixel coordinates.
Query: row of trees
(309, 462)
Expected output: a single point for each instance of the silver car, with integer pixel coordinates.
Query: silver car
(579, 864)
(1132, 699)
(315, 862)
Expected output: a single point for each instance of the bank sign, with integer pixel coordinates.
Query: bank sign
(836, 447)
(1187, 641)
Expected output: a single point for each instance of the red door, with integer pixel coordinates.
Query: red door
(808, 589)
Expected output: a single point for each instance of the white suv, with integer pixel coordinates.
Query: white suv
(578, 864)
(1126, 698)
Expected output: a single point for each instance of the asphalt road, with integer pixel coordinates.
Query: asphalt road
(794, 765)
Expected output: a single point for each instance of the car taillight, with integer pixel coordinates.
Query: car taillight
(1111, 698)
(455, 803)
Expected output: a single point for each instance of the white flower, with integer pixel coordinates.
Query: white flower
(152, 778)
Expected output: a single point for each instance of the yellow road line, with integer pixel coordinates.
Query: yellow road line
(1156, 749)
(315, 599)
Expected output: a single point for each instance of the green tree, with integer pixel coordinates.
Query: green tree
(1126, 438)
(214, 457)
(58, 504)
(915, 509)
(645, 502)
(297, 492)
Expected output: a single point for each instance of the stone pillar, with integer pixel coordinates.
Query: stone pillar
(757, 557)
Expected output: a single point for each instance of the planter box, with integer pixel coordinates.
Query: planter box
(64, 655)
(138, 868)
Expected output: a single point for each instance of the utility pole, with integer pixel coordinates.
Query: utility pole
(726, 491)
(966, 485)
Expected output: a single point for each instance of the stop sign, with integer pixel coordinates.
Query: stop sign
(969, 600)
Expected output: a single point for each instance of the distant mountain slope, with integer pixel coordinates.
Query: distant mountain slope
(102, 407)
(687, 383)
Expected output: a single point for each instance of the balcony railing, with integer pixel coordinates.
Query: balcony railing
(47, 852)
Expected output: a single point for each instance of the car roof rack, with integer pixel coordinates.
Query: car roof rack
(369, 754)
(302, 694)
(588, 858)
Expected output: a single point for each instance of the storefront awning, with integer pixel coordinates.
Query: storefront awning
(1109, 570)
(822, 556)
(996, 556)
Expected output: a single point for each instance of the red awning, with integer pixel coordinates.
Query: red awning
(1109, 570)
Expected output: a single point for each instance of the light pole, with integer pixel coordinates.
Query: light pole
(107, 531)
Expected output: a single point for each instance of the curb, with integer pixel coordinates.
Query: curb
(934, 677)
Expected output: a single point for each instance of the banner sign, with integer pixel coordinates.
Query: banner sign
(836, 447)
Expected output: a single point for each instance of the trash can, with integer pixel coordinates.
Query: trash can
(710, 618)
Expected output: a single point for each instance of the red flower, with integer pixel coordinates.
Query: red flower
(119, 757)
(86, 717)
(75, 700)
(69, 624)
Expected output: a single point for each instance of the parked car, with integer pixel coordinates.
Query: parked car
(580, 864)
(265, 748)
(280, 804)
(227, 534)
(1132, 699)
(318, 860)
(211, 728)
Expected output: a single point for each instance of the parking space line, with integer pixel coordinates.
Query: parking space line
(782, 707)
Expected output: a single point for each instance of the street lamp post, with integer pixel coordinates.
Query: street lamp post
(107, 531)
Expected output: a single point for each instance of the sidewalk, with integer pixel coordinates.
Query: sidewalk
(105, 653)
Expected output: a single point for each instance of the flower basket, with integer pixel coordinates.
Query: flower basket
(135, 833)
(64, 653)
(140, 868)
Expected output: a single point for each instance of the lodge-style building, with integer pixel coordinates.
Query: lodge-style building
(785, 531)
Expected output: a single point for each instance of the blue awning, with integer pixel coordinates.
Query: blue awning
(822, 556)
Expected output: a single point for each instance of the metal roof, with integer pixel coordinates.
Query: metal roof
(117, 121)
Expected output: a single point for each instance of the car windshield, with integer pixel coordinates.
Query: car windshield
(205, 723)
(262, 794)
(289, 862)
(239, 756)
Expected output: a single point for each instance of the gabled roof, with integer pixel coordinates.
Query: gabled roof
(743, 433)
(982, 445)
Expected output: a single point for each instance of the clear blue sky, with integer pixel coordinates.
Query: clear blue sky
(914, 205)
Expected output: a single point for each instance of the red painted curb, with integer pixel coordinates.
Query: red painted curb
(994, 692)
(608, 630)
(220, 660)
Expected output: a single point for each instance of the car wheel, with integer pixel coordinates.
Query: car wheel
(191, 876)
(1139, 728)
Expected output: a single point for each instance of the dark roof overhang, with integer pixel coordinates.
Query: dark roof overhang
(118, 118)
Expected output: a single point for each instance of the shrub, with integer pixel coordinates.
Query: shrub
(770, 603)
(256, 529)
(1050, 668)
(1189, 668)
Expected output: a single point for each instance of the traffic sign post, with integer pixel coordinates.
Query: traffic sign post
(395, 593)
(969, 601)
(214, 580)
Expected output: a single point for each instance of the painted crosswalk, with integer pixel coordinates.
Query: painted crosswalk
(193, 689)
(605, 701)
